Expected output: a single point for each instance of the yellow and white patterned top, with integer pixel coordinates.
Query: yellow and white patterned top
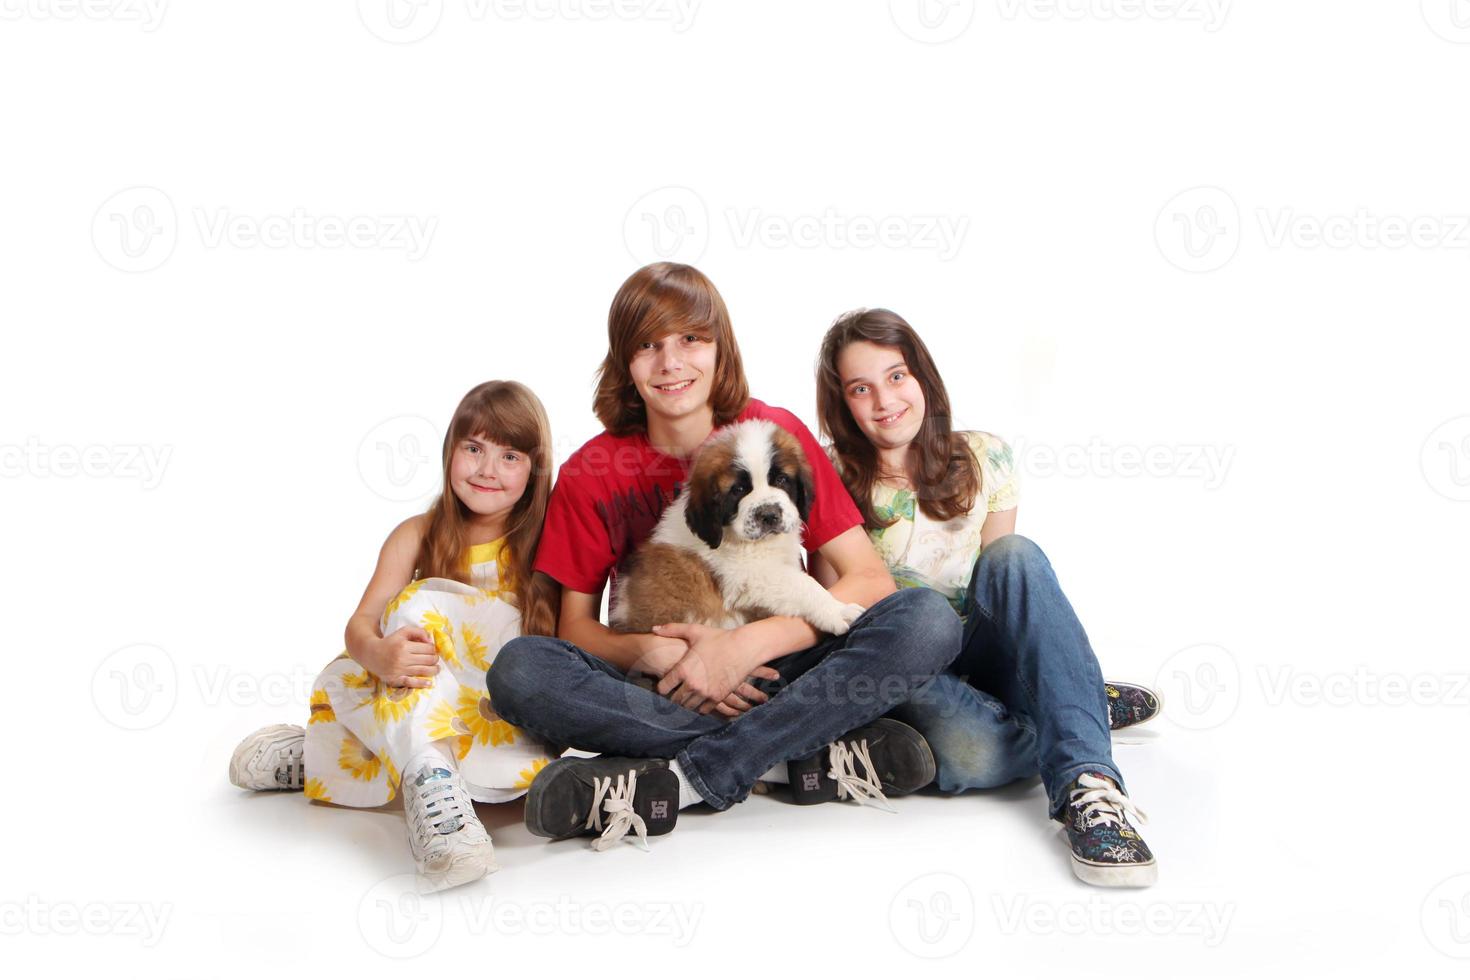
(940, 555)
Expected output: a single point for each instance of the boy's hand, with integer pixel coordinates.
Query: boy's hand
(717, 665)
(404, 658)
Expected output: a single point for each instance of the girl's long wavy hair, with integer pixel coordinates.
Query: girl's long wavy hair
(653, 301)
(508, 413)
(945, 474)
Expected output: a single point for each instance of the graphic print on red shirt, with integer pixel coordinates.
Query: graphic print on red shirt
(610, 493)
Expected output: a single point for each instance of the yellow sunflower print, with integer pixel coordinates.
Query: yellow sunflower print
(321, 708)
(475, 650)
(358, 759)
(441, 631)
(391, 704)
(398, 600)
(529, 774)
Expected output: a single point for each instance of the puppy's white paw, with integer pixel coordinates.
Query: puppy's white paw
(838, 618)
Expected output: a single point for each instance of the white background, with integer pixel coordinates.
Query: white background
(1198, 230)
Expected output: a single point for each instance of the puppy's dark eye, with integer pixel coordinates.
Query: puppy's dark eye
(780, 480)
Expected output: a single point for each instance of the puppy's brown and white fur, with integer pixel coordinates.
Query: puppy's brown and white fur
(728, 550)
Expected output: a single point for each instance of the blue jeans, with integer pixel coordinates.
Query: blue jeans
(1026, 693)
(567, 696)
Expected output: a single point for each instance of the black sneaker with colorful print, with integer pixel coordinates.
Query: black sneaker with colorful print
(1102, 829)
(1131, 704)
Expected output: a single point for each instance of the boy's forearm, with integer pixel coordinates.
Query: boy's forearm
(619, 649)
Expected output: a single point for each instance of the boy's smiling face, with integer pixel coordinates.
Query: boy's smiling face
(674, 374)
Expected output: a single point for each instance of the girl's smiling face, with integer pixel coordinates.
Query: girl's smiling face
(674, 374)
(488, 478)
(885, 399)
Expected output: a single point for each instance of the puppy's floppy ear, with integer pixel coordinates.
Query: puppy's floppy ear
(806, 490)
(704, 513)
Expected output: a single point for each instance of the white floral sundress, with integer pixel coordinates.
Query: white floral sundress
(361, 732)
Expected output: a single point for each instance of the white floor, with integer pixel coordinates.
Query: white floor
(261, 882)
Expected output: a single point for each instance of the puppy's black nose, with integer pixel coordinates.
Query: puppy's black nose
(769, 516)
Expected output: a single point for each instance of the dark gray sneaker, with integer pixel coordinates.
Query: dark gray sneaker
(869, 764)
(603, 796)
(1101, 829)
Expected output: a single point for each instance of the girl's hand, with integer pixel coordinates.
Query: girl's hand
(404, 658)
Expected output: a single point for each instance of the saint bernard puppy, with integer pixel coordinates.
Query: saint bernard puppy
(727, 551)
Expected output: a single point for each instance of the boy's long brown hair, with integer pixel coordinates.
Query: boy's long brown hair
(653, 301)
(508, 413)
(944, 472)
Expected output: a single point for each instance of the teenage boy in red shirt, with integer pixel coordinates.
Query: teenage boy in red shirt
(772, 699)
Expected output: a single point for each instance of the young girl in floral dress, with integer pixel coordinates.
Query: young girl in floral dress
(406, 704)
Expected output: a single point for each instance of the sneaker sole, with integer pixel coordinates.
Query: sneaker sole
(1116, 875)
(552, 801)
(463, 869)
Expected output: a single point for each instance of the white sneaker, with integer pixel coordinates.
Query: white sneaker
(449, 844)
(270, 758)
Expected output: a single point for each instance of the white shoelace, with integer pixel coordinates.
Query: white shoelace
(618, 802)
(289, 771)
(1104, 803)
(865, 789)
(441, 804)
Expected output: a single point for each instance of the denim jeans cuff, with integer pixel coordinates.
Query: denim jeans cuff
(700, 786)
(1057, 793)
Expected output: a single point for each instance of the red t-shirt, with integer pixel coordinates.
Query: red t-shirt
(610, 493)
